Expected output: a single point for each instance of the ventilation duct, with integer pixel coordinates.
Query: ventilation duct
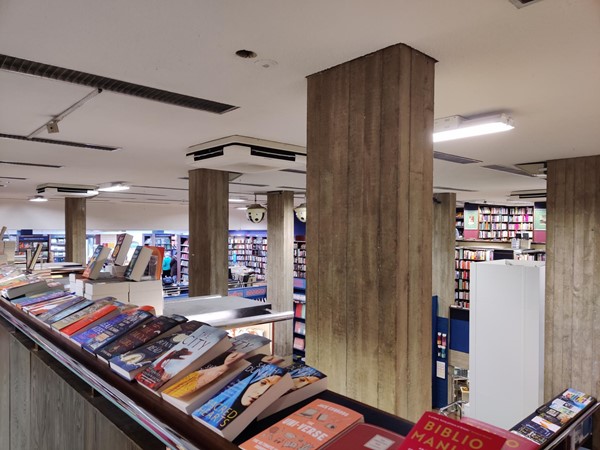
(530, 194)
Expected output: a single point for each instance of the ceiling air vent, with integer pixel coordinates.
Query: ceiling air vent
(18, 163)
(52, 190)
(529, 194)
(57, 142)
(507, 169)
(18, 65)
(454, 158)
(244, 154)
(522, 3)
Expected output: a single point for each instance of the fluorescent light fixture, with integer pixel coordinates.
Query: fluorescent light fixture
(115, 186)
(241, 208)
(38, 198)
(457, 127)
(237, 200)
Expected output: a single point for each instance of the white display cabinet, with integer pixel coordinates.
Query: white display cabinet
(506, 342)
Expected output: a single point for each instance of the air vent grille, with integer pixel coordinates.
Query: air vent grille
(18, 163)
(446, 188)
(507, 169)
(25, 66)
(454, 158)
(57, 142)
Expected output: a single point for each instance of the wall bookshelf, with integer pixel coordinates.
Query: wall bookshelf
(299, 324)
(299, 259)
(183, 260)
(460, 221)
(250, 251)
(29, 241)
(497, 222)
(58, 248)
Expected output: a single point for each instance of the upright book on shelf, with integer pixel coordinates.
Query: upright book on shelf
(197, 349)
(129, 364)
(199, 386)
(139, 262)
(119, 253)
(94, 266)
(311, 427)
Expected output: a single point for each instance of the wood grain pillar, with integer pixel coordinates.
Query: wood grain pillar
(572, 331)
(209, 223)
(369, 179)
(75, 230)
(280, 264)
(444, 242)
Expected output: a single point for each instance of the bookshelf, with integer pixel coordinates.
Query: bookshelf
(502, 223)
(29, 241)
(460, 221)
(58, 248)
(250, 251)
(299, 259)
(299, 323)
(183, 260)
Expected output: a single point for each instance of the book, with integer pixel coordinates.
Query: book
(199, 386)
(512, 440)
(43, 307)
(129, 364)
(307, 380)
(76, 307)
(139, 262)
(27, 286)
(90, 320)
(368, 437)
(94, 266)
(197, 349)
(59, 325)
(149, 331)
(121, 250)
(39, 298)
(434, 431)
(109, 330)
(67, 302)
(311, 427)
(154, 268)
(35, 255)
(237, 404)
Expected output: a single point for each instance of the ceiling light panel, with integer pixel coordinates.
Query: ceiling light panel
(457, 127)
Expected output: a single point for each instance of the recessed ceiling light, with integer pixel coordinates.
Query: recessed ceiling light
(237, 200)
(246, 54)
(241, 208)
(457, 127)
(38, 198)
(115, 186)
(266, 63)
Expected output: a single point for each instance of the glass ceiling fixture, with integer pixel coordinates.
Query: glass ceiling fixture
(458, 127)
(38, 198)
(300, 211)
(255, 212)
(115, 186)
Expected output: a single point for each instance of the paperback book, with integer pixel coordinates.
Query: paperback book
(310, 427)
(21, 302)
(119, 254)
(512, 440)
(67, 302)
(149, 331)
(199, 386)
(83, 303)
(139, 262)
(197, 349)
(129, 364)
(307, 380)
(365, 436)
(42, 308)
(103, 314)
(232, 409)
(95, 306)
(94, 267)
(24, 287)
(110, 330)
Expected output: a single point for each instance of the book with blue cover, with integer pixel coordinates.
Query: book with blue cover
(232, 409)
(69, 302)
(76, 307)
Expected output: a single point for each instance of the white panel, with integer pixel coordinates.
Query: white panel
(506, 342)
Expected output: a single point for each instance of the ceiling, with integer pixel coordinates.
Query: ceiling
(540, 64)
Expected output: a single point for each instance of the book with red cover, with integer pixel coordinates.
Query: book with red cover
(88, 321)
(81, 314)
(368, 437)
(434, 431)
(512, 440)
(311, 427)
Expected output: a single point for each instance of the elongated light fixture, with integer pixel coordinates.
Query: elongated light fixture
(458, 127)
(115, 186)
(38, 198)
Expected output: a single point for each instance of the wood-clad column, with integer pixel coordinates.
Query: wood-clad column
(280, 264)
(209, 223)
(444, 241)
(572, 332)
(369, 179)
(75, 230)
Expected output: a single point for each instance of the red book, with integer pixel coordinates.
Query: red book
(434, 431)
(512, 440)
(87, 321)
(368, 437)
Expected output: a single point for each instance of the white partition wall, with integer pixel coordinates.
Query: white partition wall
(506, 342)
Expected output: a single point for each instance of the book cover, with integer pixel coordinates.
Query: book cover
(82, 313)
(110, 330)
(38, 298)
(35, 255)
(141, 335)
(307, 380)
(512, 440)
(119, 253)
(88, 321)
(310, 427)
(237, 404)
(129, 364)
(94, 266)
(76, 307)
(139, 262)
(38, 309)
(199, 386)
(197, 349)
(434, 431)
(68, 301)
(28, 286)
(368, 437)
(154, 267)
